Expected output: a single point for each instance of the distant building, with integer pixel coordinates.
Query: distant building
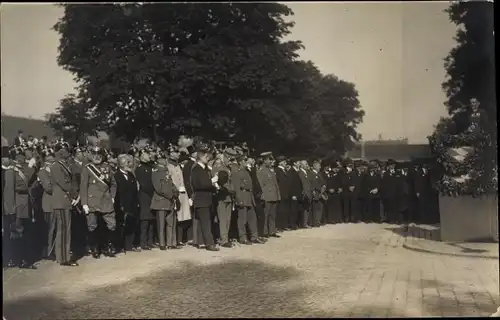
(384, 150)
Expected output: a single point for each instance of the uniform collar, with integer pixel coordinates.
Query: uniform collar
(201, 165)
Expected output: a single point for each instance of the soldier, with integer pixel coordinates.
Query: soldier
(143, 176)
(225, 195)
(350, 193)
(186, 173)
(244, 201)
(284, 186)
(270, 194)
(97, 194)
(318, 186)
(127, 204)
(49, 227)
(306, 197)
(62, 202)
(295, 193)
(203, 189)
(164, 204)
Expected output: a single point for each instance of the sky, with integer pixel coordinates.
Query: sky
(393, 52)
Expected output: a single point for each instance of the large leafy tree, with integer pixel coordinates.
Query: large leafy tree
(471, 103)
(218, 70)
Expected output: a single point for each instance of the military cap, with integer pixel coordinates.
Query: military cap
(266, 155)
(96, 150)
(391, 162)
(231, 153)
(47, 152)
(61, 144)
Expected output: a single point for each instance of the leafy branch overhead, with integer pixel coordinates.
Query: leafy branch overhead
(471, 103)
(218, 70)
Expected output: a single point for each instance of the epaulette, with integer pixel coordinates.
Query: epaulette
(7, 168)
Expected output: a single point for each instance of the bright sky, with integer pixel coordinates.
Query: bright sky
(393, 52)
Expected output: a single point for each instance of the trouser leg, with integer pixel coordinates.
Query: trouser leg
(242, 223)
(171, 226)
(205, 223)
(224, 210)
(51, 223)
(63, 236)
(160, 224)
(252, 223)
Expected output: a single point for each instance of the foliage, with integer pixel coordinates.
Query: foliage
(471, 104)
(217, 70)
(74, 118)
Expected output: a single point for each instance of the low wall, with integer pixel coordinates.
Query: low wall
(465, 218)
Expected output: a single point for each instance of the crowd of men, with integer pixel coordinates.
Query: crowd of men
(62, 202)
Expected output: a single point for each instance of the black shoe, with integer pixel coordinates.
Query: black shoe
(69, 264)
(274, 235)
(146, 248)
(163, 248)
(136, 249)
(211, 248)
(96, 255)
(257, 241)
(227, 245)
(266, 236)
(173, 247)
(246, 242)
(27, 265)
(263, 240)
(110, 253)
(181, 244)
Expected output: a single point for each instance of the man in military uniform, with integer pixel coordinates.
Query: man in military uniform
(78, 220)
(244, 201)
(49, 226)
(97, 193)
(186, 172)
(62, 203)
(270, 194)
(164, 203)
(143, 175)
(225, 194)
(284, 186)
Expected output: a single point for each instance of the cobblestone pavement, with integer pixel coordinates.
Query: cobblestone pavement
(333, 271)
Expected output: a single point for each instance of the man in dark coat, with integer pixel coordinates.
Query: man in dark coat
(127, 204)
(350, 194)
(203, 189)
(147, 218)
(390, 192)
(284, 186)
(295, 193)
(334, 186)
(186, 173)
(78, 220)
(371, 191)
(318, 186)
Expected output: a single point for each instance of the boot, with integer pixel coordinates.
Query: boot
(108, 241)
(92, 243)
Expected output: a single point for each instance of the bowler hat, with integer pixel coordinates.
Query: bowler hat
(280, 159)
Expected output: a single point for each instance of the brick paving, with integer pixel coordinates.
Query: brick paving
(333, 271)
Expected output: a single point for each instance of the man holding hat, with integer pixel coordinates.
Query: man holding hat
(62, 202)
(295, 193)
(143, 175)
(270, 194)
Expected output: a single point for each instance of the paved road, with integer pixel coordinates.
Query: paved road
(340, 270)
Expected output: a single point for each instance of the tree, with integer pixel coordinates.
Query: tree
(218, 70)
(471, 103)
(74, 118)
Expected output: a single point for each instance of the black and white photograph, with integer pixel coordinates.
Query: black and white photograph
(333, 159)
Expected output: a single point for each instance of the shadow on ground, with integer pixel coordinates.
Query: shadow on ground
(231, 289)
(431, 232)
